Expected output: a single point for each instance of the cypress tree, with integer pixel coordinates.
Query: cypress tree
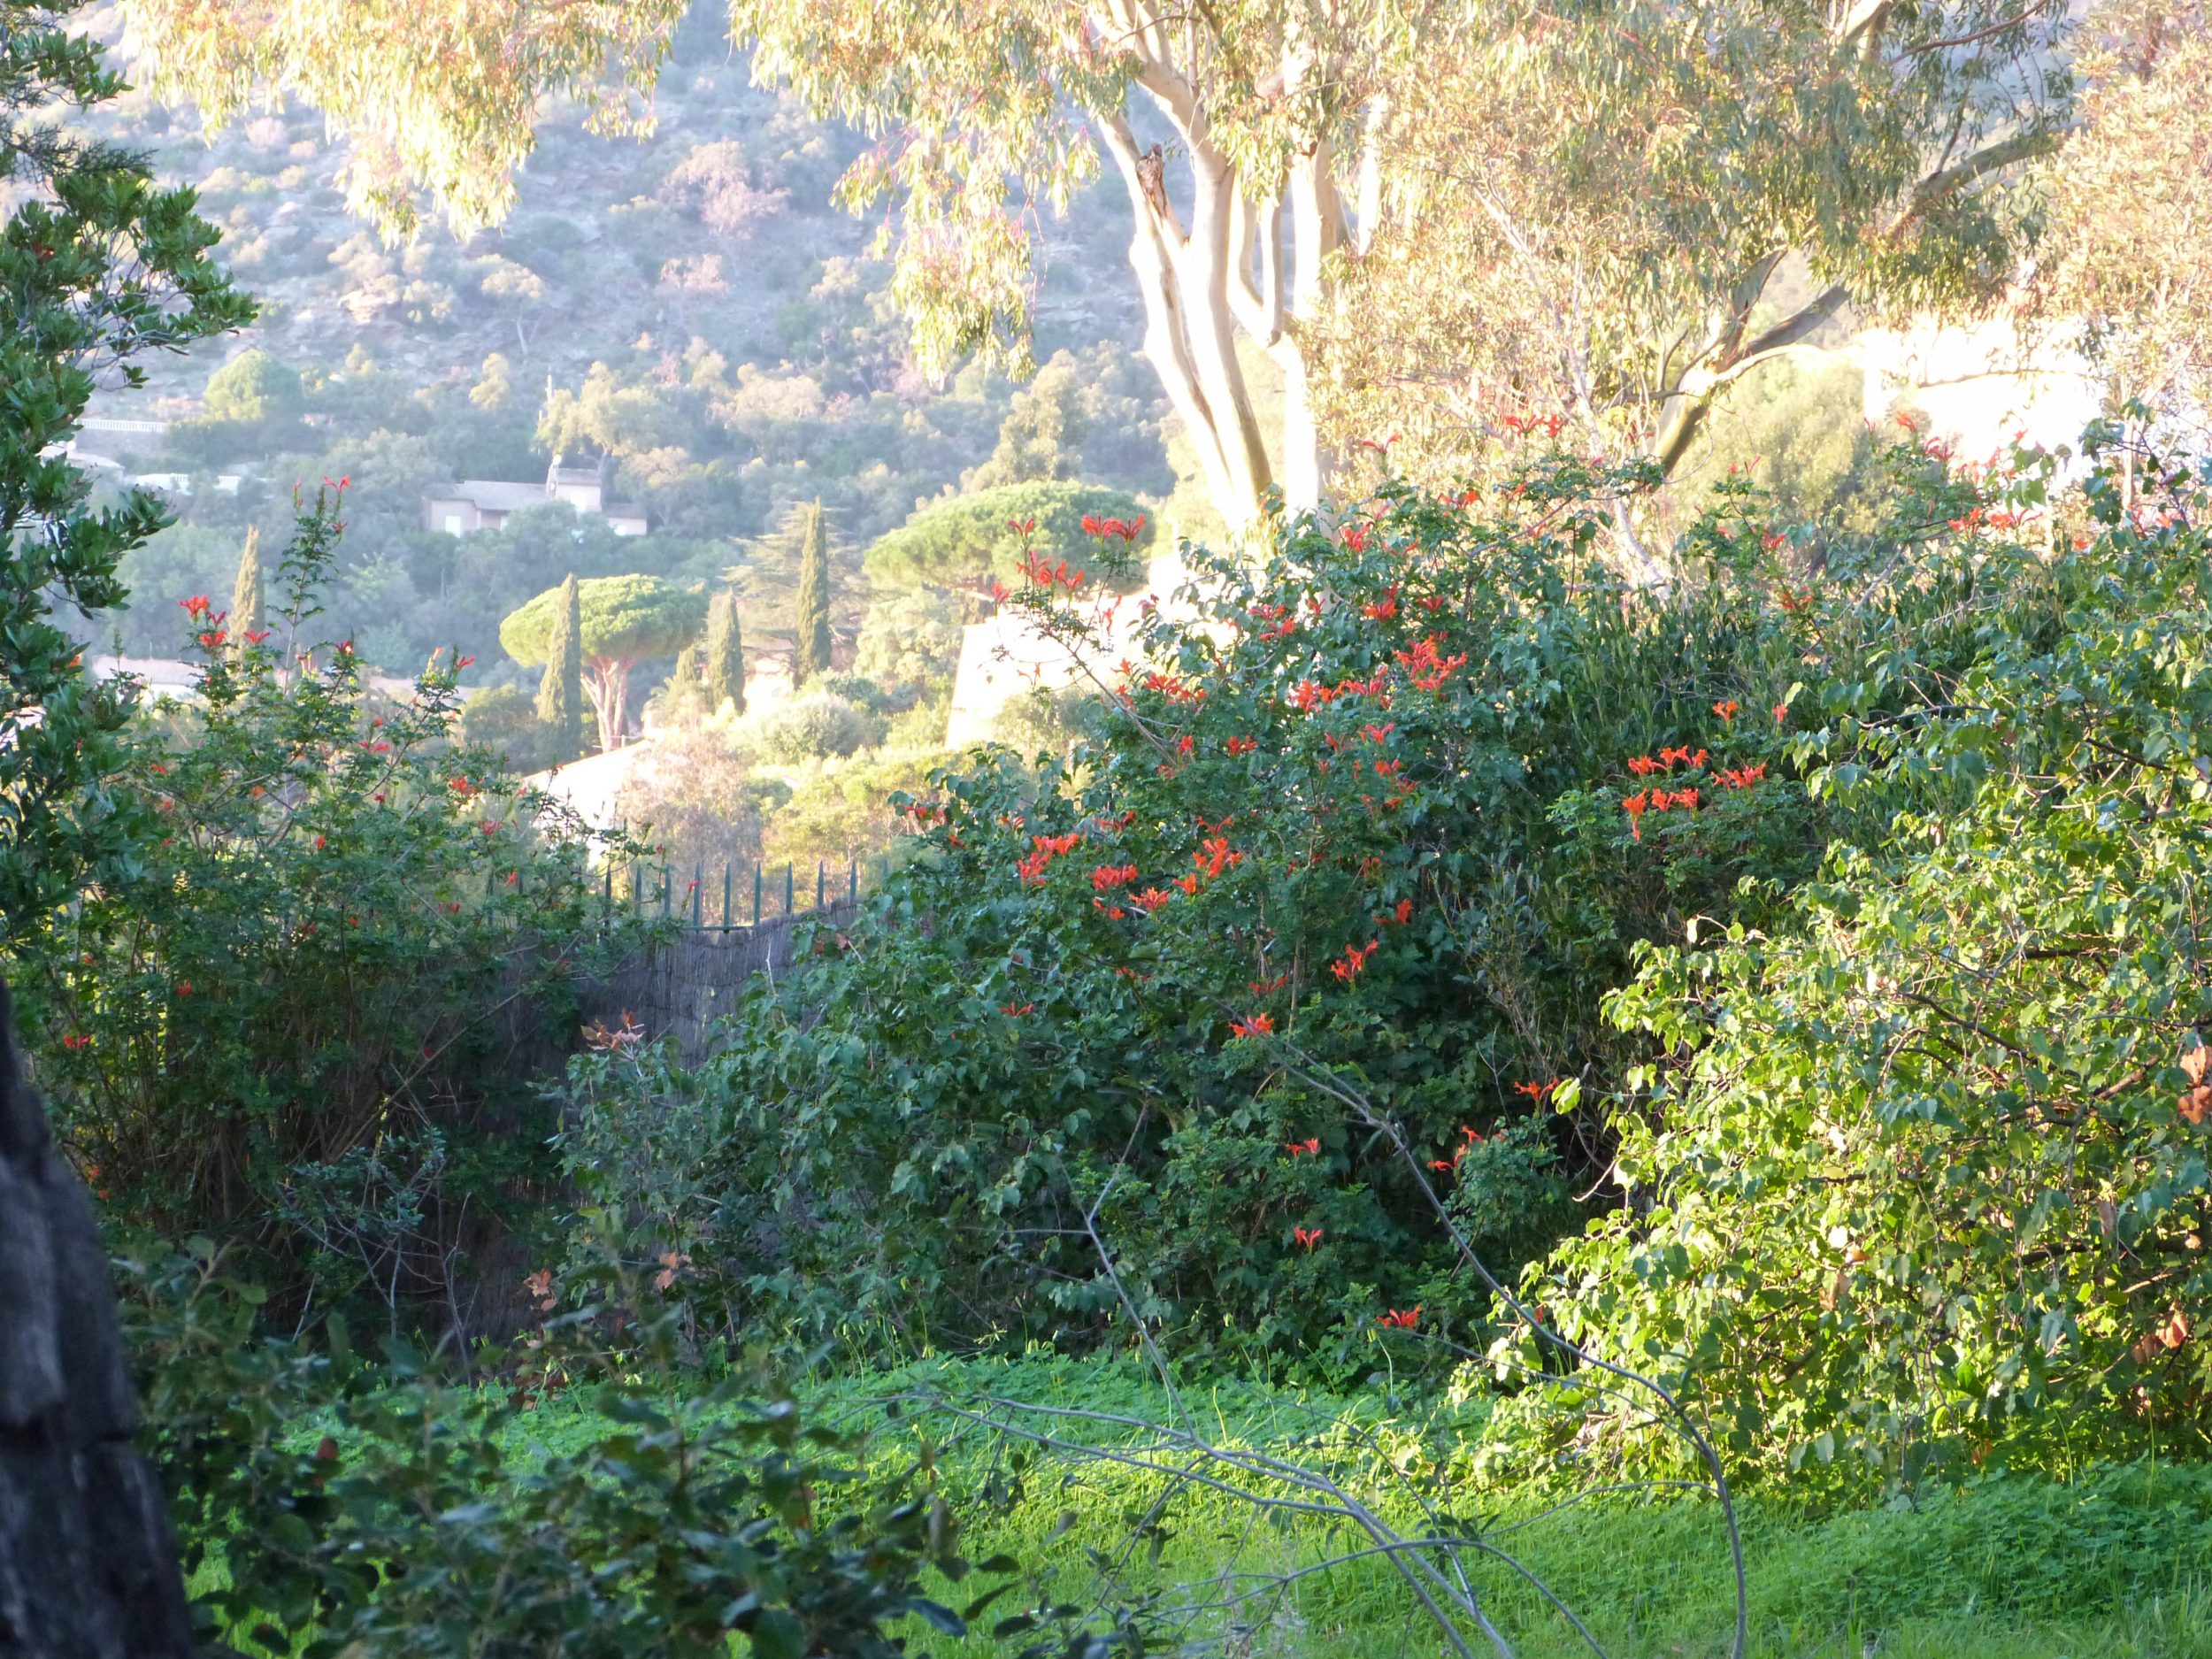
(560, 693)
(811, 653)
(245, 592)
(726, 654)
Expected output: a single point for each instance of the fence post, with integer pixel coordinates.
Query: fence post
(665, 874)
(820, 884)
(726, 895)
(852, 889)
(698, 899)
(786, 889)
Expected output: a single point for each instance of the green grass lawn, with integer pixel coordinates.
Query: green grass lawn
(2117, 1560)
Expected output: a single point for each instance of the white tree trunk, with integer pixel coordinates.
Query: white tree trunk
(607, 683)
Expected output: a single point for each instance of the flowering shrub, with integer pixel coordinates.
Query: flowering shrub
(294, 1022)
(1920, 1169)
(1351, 832)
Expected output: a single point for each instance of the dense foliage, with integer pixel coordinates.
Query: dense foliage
(964, 541)
(291, 1023)
(607, 1503)
(1922, 1165)
(1349, 851)
(99, 269)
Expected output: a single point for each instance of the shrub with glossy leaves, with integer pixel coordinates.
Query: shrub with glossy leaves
(1333, 861)
(1923, 1165)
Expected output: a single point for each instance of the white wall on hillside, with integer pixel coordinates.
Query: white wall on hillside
(1004, 657)
(1980, 385)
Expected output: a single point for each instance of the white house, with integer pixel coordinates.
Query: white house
(484, 503)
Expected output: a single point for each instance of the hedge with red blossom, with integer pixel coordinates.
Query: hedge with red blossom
(1331, 835)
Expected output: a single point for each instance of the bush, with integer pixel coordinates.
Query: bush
(605, 1503)
(1920, 1168)
(814, 726)
(294, 1025)
(1312, 888)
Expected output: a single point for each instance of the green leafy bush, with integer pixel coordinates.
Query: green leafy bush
(814, 726)
(1337, 862)
(606, 1502)
(296, 1022)
(1922, 1166)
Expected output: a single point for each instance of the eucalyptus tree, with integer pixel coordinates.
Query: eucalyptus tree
(1604, 210)
(1603, 213)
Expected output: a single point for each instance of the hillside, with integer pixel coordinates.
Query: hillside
(692, 301)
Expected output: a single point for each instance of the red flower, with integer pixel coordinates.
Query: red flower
(1306, 1236)
(319, 843)
(1404, 911)
(1255, 1025)
(194, 607)
(1440, 1163)
(1106, 878)
(78, 1040)
(1215, 856)
(1537, 1092)
(1305, 1148)
(1015, 1010)
(1401, 1319)
(1643, 765)
(1186, 743)
(1354, 537)
(1379, 610)
(1781, 713)
(1379, 733)
(1726, 710)
(1635, 806)
(1241, 745)
(491, 826)
(1189, 884)
(1348, 967)
(1149, 900)
(254, 636)
(1268, 987)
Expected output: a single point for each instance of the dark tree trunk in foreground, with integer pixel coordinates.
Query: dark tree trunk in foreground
(86, 1567)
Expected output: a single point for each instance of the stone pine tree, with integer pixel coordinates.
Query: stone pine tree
(620, 622)
(245, 592)
(811, 653)
(560, 693)
(726, 654)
